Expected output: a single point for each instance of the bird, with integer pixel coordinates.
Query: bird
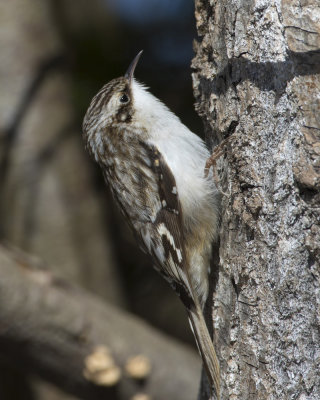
(154, 166)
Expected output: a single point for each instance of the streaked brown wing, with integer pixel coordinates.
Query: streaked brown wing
(166, 232)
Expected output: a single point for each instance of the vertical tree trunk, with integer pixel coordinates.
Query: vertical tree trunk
(257, 83)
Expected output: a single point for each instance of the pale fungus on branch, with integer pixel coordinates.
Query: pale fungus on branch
(141, 396)
(100, 367)
(138, 367)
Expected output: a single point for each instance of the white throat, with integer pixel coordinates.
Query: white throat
(151, 112)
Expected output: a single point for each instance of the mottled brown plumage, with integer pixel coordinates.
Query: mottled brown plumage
(155, 168)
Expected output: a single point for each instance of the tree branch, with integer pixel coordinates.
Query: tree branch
(76, 341)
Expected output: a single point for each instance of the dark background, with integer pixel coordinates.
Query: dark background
(54, 205)
(104, 42)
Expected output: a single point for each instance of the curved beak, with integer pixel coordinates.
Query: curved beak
(132, 67)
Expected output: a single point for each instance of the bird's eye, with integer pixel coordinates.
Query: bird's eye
(124, 98)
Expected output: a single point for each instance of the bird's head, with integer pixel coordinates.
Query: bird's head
(113, 104)
(124, 103)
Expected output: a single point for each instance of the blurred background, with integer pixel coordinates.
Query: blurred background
(55, 55)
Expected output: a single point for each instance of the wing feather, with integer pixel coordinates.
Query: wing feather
(164, 237)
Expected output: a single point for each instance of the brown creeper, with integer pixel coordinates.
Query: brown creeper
(154, 166)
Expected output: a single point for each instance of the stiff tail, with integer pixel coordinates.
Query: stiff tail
(205, 347)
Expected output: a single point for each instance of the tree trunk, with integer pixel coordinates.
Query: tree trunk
(256, 82)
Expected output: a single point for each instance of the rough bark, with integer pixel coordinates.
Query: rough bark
(257, 82)
(63, 335)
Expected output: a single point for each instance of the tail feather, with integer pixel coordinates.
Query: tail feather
(205, 346)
